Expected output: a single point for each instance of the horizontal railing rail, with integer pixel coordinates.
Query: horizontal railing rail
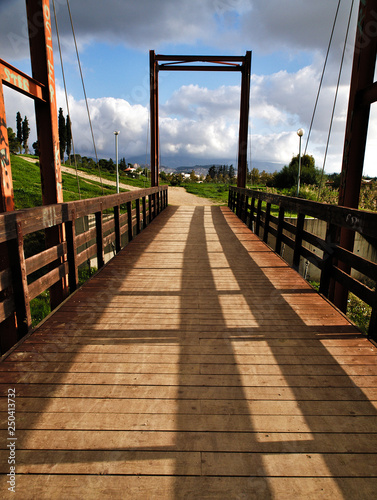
(334, 262)
(116, 220)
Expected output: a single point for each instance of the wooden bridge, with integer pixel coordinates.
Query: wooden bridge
(195, 364)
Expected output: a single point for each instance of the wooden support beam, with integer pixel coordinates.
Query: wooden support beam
(155, 154)
(244, 122)
(362, 92)
(42, 63)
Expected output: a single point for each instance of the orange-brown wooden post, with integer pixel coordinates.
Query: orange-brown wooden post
(244, 121)
(6, 187)
(153, 67)
(363, 92)
(42, 63)
(8, 333)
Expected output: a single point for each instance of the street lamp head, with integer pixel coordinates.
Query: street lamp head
(117, 132)
(300, 132)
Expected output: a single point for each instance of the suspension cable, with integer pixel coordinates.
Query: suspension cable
(66, 98)
(86, 99)
(335, 99)
(321, 80)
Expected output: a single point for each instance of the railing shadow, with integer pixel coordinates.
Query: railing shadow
(255, 393)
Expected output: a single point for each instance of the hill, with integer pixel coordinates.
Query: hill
(185, 164)
(28, 191)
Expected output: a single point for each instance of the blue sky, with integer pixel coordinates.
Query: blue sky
(199, 112)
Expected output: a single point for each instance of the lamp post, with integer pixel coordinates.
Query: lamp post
(300, 133)
(116, 133)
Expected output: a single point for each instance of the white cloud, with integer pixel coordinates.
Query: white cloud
(197, 120)
(270, 26)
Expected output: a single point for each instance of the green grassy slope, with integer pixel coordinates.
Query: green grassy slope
(28, 191)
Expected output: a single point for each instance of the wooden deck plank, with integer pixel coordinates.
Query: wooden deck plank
(203, 423)
(203, 407)
(196, 364)
(194, 393)
(245, 442)
(77, 487)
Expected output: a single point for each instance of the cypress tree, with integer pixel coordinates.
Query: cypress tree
(25, 134)
(68, 138)
(62, 134)
(19, 128)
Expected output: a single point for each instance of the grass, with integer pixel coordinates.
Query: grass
(216, 192)
(28, 191)
(141, 182)
(40, 306)
(27, 194)
(357, 311)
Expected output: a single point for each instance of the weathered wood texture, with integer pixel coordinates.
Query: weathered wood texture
(336, 263)
(196, 364)
(18, 285)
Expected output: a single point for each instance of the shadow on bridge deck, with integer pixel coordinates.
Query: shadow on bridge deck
(196, 364)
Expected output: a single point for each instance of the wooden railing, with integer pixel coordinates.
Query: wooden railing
(335, 263)
(24, 278)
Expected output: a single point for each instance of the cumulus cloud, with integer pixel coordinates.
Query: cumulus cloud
(195, 119)
(266, 26)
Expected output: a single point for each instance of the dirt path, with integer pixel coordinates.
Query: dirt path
(178, 196)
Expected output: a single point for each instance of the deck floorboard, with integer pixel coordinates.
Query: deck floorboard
(196, 364)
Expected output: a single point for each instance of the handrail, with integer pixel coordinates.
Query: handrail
(130, 213)
(247, 204)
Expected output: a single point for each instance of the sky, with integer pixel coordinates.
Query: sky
(199, 112)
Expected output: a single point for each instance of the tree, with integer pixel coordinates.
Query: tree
(36, 148)
(255, 176)
(25, 134)
(68, 137)
(19, 128)
(62, 134)
(232, 173)
(212, 172)
(193, 177)
(14, 145)
(288, 176)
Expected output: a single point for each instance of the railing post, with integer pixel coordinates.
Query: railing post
(118, 241)
(144, 203)
(245, 205)
(298, 241)
(252, 210)
(137, 201)
(99, 238)
(327, 259)
(73, 277)
(267, 223)
(257, 222)
(238, 204)
(129, 221)
(150, 208)
(20, 286)
(279, 236)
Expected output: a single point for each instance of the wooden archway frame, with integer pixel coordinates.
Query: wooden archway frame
(216, 63)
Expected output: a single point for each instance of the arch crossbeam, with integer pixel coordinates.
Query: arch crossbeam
(240, 64)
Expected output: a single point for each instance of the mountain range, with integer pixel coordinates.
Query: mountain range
(185, 164)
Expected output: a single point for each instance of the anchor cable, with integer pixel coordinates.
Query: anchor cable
(66, 98)
(86, 99)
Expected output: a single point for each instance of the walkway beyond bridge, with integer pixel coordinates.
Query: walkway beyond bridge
(195, 364)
